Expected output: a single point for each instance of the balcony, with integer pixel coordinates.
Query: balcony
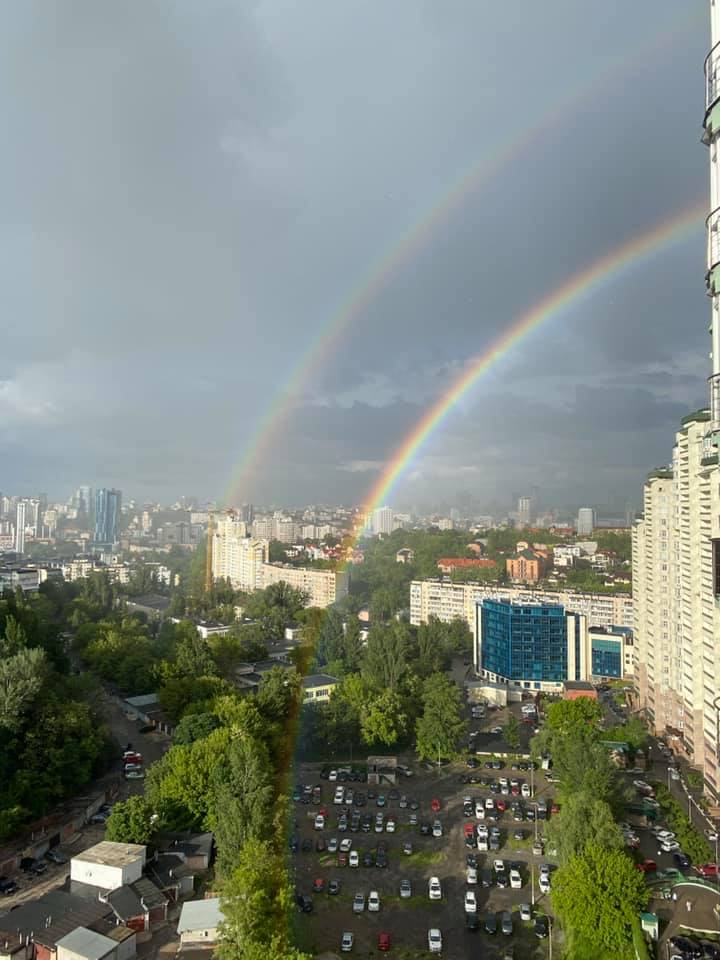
(712, 79)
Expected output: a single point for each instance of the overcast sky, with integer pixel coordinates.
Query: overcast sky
(191, 190)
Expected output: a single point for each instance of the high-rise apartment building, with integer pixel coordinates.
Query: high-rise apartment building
(20, 522)
(585, 521)
(83, 501)
(382, 520)
(107, 516)
(524, 511)
(676, 542)
(237, 557)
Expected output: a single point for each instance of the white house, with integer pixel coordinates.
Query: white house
(108, 865)
(199, 922)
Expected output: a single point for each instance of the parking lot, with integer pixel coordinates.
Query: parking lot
(409, 805)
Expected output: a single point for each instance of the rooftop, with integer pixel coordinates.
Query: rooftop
(200, 915)
(66, 910)
(578, 685)
(319, 680)
(113, 854)
(86, 943)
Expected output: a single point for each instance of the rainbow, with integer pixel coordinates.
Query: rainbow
(567, 295)
(268, 429)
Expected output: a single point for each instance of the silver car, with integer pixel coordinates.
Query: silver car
(359, 903)
(405, 889)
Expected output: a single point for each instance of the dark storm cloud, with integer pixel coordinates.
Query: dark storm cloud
(190, 192)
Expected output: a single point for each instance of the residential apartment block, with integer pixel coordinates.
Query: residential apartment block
(447, 600)
(237, 557)
(323, 587)
(676, 543)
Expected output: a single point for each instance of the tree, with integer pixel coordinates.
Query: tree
(441, 724)
(598, 894)
(568, 716)
(243, 795)
(511, 731)
(256, 899)
(584, 766)
(21, 677)
(131, 821)
(386, 655)
(582, 819)
(195, 726)
(384, 720)
(192, 656)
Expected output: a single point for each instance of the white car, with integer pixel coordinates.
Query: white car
(525, 912)
(354, 859)
(496, 730)
(643, 787)
(332, 846)
(434, 889)
(434, 940)
(669, 846)
(498, 866)
(347, 941)
(503, 781)
(711, 834)
(359, 903)
(373, 902)
(339, 795)
(470, 902)
(479, 808)
(135, 775)
(515, 880)
(544, 880)
(319, 822)
(346, 844)
(472, 875)
(525, 790)
(405, 889)
(489, 804)
(332, 775)
(390, 826)
(664, 835)
(674, 774)
(437, 830)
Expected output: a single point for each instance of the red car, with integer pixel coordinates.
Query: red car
(322, 812)
(555, 808)
(130, 757)
(435, 805)
(318, 885)
(707, 869)
(647, 866)
(342, 859)
(469, 830)
(383, 941)
(501, 805)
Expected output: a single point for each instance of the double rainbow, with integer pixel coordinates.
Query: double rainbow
(587, 281)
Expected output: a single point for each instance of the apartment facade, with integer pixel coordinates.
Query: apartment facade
(676, 543)
(323, 587)
(237, 557)
(446, 600)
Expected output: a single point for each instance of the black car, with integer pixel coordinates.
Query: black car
(55, 856)
(381, 855)
(413, 804)
(688, 948)
(366, 823)
(393, 795)
(471, 860)
(305, 903)
(371, 795)
(682, 861)
(486, 877)
(472, 763)
(490, 922)
(360, 800)
(519, 835)
(711, 950)
(294, 844)
(425, 829)
(334, 888)
(31, 865)
(368, 860)
(472, 922)
(306, 846)
(468, 808)
(541, 927)
(501, 878)
(8, 886)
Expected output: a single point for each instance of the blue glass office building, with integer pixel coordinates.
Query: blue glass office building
(533, 646)
(107, 516)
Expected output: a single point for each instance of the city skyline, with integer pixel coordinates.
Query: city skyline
(64, 408)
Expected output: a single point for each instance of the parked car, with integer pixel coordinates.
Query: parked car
(7, 886)
(434, 940)
(434, 889)
(319, 822)
(384, 942)
(55, 856)
(354, 859)
(437, 830)
(359, 903)
(707, 869)
(305, 903)
(525, 912)
(470, 901)
(31, 865)
(435, 805)
(135, 775)
(318, 885)
(515, 880)
(346, 844)
(472, 922)
(373, 901)
(405, 889)
(334, 888)
(507, 923)
(541, 927)
(490, 922)
(472, 875)
(346, 942)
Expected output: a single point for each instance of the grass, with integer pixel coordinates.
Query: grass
(427, 857)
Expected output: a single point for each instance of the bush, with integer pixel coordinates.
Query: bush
(691, 842)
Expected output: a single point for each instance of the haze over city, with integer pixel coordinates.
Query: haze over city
(193, 193)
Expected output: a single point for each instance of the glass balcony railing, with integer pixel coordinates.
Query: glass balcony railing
(712, 77)
(713, 239)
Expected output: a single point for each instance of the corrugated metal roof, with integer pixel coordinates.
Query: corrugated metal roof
(200, 915)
